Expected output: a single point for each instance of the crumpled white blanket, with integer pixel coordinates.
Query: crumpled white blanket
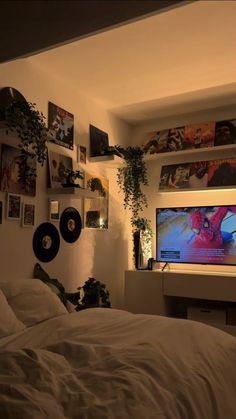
(111, 364)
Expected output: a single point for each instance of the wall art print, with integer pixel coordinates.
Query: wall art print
(28, 215)
(57, 163)
(13, 206)
(81, 154)
(61, 126)
(192, 136)
(198, 175)
(99, 140)
(11, 172)
(96, 209)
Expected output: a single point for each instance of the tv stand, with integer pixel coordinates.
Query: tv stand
(173, 293)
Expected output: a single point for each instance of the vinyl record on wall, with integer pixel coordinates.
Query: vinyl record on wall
(46, 242)
(70, 225)
(8, 95)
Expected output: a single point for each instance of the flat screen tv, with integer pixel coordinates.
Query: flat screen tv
(198, 235)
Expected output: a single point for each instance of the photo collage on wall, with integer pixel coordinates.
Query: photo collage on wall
(198, 175)
(194, 136)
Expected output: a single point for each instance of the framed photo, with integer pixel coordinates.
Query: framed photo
(81, 154)
(28, 218)
(61, 126)
(1, 211)
(96, 209)
(13, 206)
(54, 210)
(57, 163)
(11, 175)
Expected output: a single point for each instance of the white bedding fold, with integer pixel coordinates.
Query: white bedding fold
(111, 364)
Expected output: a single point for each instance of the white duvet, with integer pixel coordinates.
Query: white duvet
(107, 363)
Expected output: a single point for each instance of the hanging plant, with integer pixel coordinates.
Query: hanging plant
(131, 177)
(28, 123)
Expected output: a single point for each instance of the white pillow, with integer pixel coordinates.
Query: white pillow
(32, 301)
(9, 323)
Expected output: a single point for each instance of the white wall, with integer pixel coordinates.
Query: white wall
(185, 198)
(101, 254)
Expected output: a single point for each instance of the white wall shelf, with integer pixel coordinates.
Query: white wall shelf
(199, 151)
(112, 160)
(72, 192)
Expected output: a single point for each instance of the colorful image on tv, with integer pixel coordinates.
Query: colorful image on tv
(202, 235)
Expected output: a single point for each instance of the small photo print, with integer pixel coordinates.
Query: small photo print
(54, 210)
(61, 125)
(28, 215)
(13, 206)
(81, 154)
(1, 211)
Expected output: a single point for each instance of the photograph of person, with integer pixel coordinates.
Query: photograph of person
(198, 176)
(225, 133)
(222, 173)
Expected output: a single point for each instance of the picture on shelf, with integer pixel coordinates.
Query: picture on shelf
(192, 136)
(199, 135)
(57, 164)
(225, 132)
(99, 141)
(81, 154)
(28, 219)
(61, 126)
(12, 179)
(198, 175)
(54, 210)
(222, 172)
(13, 206)
(96, 209)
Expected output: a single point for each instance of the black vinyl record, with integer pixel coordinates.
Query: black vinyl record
(46, 242)
(70, 225)
(8, 95)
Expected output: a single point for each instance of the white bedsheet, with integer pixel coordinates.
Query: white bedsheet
(111, 364)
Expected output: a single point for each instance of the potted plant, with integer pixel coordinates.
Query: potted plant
(94, 295)
(71, 176)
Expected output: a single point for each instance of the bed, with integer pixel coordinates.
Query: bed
(104, 363)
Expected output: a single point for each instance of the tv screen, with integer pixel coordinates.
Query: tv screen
(205, 235)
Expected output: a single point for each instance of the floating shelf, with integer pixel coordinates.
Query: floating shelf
(109, 161)
(156, 156)
(73, 192)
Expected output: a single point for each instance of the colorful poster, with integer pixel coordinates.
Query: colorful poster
(225, 133)
(16, 177)
(198, 175)
(61, 126)
(199, 135)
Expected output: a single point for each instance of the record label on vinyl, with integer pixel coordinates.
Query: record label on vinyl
(70, 225)
(46, 242)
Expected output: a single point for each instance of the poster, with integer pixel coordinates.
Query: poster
(61, 126)
(198, 175)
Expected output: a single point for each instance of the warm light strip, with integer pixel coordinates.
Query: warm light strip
(198, 190)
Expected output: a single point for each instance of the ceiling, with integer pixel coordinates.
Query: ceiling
(33, 26)
(137, 62)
